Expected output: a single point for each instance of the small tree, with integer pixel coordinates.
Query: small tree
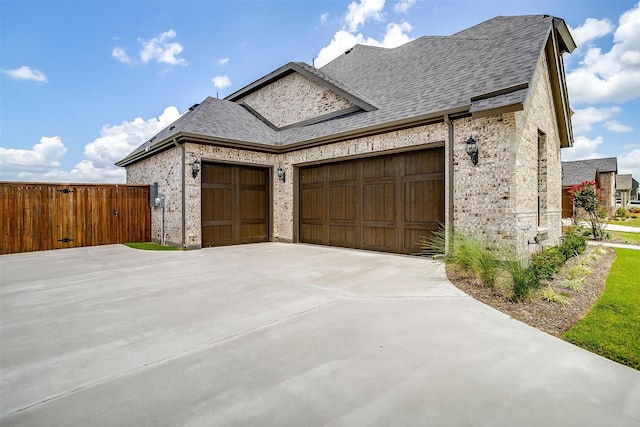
(587, 197)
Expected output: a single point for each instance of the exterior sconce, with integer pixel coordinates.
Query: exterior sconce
(195, 168)
(472, 150)
(281, 174)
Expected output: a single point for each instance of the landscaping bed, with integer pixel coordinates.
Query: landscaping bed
(552, 317)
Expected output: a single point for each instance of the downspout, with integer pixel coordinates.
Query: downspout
(184, 232)
(448, 173)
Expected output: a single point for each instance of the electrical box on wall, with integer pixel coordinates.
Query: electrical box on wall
(153, 194)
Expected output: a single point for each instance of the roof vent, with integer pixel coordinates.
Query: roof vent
(193, 107)
(172, 127)
(348, 51)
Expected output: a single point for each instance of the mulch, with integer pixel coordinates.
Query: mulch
(552, 317)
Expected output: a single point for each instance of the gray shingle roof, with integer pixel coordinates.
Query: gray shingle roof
(579, 171)
(426, 77)
(624, 182)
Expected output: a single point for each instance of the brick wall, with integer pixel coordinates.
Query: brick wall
(498, 198)
(294, 98)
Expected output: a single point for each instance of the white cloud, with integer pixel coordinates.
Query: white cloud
(612, 76)
(584, 119)
(162, 50)
(121, 55)
(46, 154)
(583, 148)
(42, 163)
(591, 30)
(221, 82)
(223, 61)
(615, 126)
(630, 163)
(403, 6)
(116, 141)
(324, 18)
(26, 73)
(344, 40)
(359, 13)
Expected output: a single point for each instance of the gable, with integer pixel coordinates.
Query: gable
(293, 99)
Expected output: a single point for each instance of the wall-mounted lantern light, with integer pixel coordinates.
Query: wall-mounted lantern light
(472, 150)
(195, 168)
(281, 174)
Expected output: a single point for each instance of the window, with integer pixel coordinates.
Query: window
(542, 179)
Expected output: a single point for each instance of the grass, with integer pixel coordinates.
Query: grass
(632, 222)
(632, 237)
(610, 328)
(150, 246)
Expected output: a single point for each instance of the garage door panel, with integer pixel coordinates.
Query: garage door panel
(253, 232)
(313, 175)
(216, 204)
(312, 233)
(413, 236)
(313, 207)
(423, 201)
(234, 204)
(379, 202)
(253, 176)
(342, 203)
(383, 203)
(379, 238)
(219, 174)
(342, 235)
(424, 162)
(343, 171)
(252, 203)
(216, 235)
(383, 167)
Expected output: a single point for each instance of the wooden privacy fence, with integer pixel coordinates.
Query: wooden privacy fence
(36, 217)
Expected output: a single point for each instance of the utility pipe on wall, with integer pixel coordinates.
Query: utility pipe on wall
(448, 173)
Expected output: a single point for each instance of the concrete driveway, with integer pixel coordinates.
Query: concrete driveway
(280, 334)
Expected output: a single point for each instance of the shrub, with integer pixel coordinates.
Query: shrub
(544, 264)
(622, 213)
(587, 196)
(574, 243)
(548, 294)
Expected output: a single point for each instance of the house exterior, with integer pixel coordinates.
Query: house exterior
(626, 189)
(603, 171)
(371, 150)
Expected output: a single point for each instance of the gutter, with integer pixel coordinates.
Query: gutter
(448, 173)
(423, 119)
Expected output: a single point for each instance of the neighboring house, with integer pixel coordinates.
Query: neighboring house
(371, 150)
(626, 189)
(602, 171)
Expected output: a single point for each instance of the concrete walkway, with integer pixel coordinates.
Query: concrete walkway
(280, 334)
(614, 245)
(625, 228)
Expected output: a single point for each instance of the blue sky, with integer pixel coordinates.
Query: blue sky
(83, 83)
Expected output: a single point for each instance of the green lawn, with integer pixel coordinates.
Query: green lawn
(611, 328)
(632, 222)
(632, 237)
(151, 246)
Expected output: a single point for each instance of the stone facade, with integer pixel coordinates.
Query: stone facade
(166, 169)
(519, 168)
(294, 98)
(607, 182)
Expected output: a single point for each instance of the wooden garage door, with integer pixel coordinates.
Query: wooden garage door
(234, 204)
(382, 203)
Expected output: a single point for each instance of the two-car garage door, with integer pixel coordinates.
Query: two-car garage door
(384, 203)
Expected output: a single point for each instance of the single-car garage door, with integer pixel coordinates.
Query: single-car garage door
(235, 205)
(383, 203)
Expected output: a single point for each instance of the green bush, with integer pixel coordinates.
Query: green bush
(523, 280)
(622, 213)
(544, 264)
(574, 243)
